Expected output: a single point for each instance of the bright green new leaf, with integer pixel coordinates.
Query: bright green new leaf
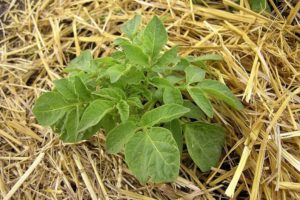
(220, 91)
(194, 74)
(163, 114)
(176, 129)
(66, 88)
(201, 100)
(154, 38)
(172, 95)
(94, 113)
(153, 156)
(115, 72)
(135, 55)
(50, 107)
(204, 143)
(135, 101)
(130, 27)
(119, 136)
(123, 109)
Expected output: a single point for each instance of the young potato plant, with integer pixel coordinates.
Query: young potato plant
(148, 100)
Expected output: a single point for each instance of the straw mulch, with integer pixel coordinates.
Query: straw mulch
(261, 65)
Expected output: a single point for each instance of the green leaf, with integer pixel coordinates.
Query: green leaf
(119, 136)
(94, 113)
(135, 101)
(113, 93)
(123, 109)
(195, 111)
(172, 95)
(82, 91)
(220, 91)
(82, 62)
(135, 55)
(130, 27)
(153, 156)
(50, 107)
(176, 129)
(194, 74)
(201, 100)
(204, 143)
(163, 114)
(169, 57)
(133, 76)
(154, 38)
(115, 72)
(160, 82)
(66, 88)
(70, 135)
(260, 5)
(108, 123)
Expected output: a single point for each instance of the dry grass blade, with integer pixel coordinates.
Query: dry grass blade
(261, 64)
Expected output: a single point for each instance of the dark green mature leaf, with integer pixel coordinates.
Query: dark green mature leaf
(169, 57)
(113, 93)
(135, 55)
(163, 114)
(172, 95)
(115, 72)
(123, 109)
(83, 93)
(81, 63)
(204, 143)
(201, 100)
(194, 74)
(154, 38)
(70, 134)
(119, 136)
(153, 155)
(50, 107)
(94, 113)
(130, 27)
(66, 88)
(195, 111)
(176, 129)
(221, 92)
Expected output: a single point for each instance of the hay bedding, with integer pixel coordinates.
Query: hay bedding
(261, 65)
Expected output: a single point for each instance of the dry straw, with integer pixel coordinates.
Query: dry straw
(261, 65)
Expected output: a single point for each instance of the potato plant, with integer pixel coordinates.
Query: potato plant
(149, 101)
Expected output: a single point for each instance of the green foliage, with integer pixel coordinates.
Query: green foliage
(148, 100)
(260, 6)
